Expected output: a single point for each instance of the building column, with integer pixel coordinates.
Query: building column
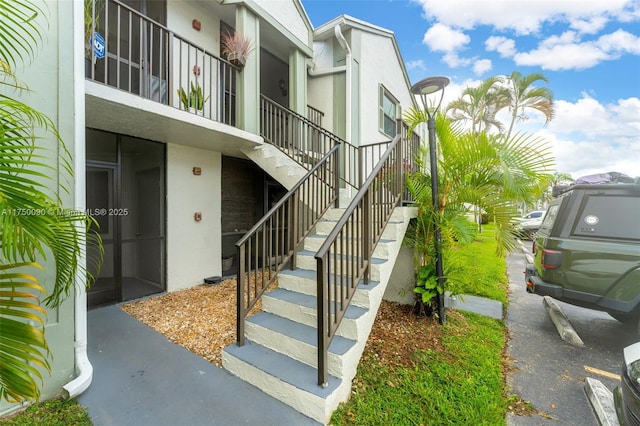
(248, 92)
(298, 82)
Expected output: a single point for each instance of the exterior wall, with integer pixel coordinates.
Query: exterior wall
(379, 65)
(193, 248)
(50, 78)
(289, 15)
(319, 86)
(402, 280)
(180, 14)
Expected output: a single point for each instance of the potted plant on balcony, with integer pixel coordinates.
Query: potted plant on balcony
(236, 48)
(194, 100)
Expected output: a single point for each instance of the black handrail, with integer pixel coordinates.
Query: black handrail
(344, 259)
(271, 243)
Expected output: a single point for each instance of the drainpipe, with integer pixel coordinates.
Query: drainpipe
(345, 46)
(83, 367)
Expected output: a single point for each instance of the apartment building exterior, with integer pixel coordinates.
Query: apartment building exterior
(178, 151)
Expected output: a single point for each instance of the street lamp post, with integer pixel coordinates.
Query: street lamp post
(423, 88)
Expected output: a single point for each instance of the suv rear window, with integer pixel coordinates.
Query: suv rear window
(608, 216)
(547, 223)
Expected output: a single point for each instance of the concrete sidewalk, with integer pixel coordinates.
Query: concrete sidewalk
(140, 378)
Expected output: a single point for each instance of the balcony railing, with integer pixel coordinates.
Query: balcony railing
(147, 59)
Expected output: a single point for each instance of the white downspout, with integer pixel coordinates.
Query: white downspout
(345, 46)
(84, 369)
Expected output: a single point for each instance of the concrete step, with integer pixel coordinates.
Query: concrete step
(313, 243)
(304, 281)
(302, 308)
(393, 231)
(300, 342)
(379, 266)
(290, 381)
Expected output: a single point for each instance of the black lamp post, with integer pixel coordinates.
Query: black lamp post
(423, 88)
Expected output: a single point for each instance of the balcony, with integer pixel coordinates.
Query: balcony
(157, 72)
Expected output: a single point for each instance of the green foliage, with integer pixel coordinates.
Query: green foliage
(482, 172)
(474, 268)
(427, 284)
(195, 99)
(55, 412)
(34, 225)
(462, 384)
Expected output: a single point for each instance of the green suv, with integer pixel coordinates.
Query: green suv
(587, 249)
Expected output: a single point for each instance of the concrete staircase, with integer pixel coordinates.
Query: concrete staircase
(280, 353)
(277, 164)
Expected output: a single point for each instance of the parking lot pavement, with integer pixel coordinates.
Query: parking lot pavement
(549, 372)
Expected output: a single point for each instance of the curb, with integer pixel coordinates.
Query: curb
(601, 400)
(560, 320)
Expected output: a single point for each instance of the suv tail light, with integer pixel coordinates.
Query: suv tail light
(551, 259)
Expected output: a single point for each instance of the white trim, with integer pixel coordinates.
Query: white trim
(84, 369)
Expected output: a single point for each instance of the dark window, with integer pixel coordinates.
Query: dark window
(609, 216)
(389, 111)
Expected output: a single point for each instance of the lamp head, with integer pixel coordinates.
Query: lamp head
(429, 85)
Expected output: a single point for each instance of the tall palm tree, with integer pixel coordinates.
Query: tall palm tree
(523, 96)
(484, 171)
(36, 232)
(479, 105)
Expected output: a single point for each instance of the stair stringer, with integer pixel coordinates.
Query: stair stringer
(277, 164)
(295, 354)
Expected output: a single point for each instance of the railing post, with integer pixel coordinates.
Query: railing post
(399, 160)
(366, 233)
(336, 174)
(293, 228)
(323, 323)
(240, 290)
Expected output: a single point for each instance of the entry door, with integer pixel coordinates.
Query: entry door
(126, 197)
(101, 201)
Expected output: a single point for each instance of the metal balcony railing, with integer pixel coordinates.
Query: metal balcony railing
(147, 59)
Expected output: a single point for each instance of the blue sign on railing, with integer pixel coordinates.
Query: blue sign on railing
(99, 48)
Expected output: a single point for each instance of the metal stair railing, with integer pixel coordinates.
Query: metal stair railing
(344, 259)
(271, 244)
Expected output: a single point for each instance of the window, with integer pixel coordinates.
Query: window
(389, 111)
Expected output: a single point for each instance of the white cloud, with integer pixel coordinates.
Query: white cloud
(453, 60)
(481, 66)
(417, 64)
(620, 42)
(442, 38)
(567, 51)
(527, 16)
(590, 25)
(589, 137)
(506, 47)
(562, 57)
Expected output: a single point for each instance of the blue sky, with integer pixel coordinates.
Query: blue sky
(588, 49)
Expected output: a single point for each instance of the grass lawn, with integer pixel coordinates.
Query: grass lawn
(452, 374)
(55, 412)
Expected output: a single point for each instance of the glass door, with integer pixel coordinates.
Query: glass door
(126, 197)
(101, 192)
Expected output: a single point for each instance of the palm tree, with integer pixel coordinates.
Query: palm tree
(479, 105)
(484, 171)
(522, 96)
(36, 232)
